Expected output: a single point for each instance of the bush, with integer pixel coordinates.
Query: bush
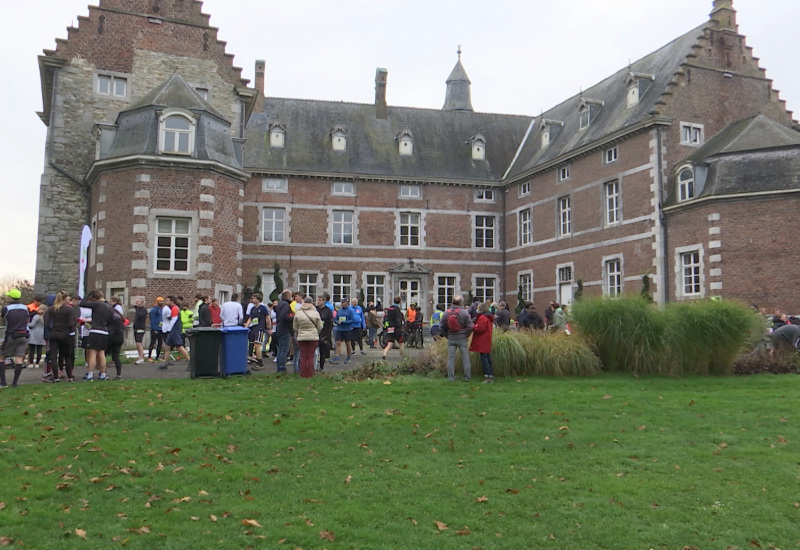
(760, 361)
(628, 334)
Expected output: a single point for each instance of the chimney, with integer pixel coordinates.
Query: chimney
(723, 16)
(259, 106)
(380, 93)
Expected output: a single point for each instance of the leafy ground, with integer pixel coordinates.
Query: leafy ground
(410, 462)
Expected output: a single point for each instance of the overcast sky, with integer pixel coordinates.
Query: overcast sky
(522, 56)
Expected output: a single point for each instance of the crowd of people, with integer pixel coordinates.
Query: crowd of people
(296, 331)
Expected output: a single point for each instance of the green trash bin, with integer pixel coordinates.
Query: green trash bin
(205, 345)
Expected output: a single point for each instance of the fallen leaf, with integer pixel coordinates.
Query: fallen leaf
(143, 530)
(212, 517)
(250, 523)
(512, 491)
(482, 499)
(606, 396)
(464, 531)
(5, 541)
(2, 505)
(441, 526)
(348, 479)
(309, 523)
(194, 518)
(327, 535)
(81, 533)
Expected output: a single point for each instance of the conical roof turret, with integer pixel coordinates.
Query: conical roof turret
(458, 96)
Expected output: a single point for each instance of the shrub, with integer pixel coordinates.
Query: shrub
(760, 361)
(627, 333)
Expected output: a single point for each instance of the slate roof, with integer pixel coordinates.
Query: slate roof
(614, 115)
(752, 155)
(137, 125)
(440, 142)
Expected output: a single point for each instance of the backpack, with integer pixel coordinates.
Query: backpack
(453, 322)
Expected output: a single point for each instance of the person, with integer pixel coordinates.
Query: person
(139, 327)
(186, 316)
(325, 344)
(359, 325)
(328, 303)
(785, 338)
(204, 317)
(36, 340)
(561, 319)
(307, 325)
(199, 300)
(503, 317)
(532, 320)
(284, 319)
(63, 318)
(257, 322)
(156, 335)
(473, 308)
(216, 319)
(173, 331)
(411, 314)
(343, 331)
(548, 313)
(15, 343)
(97, 341)
(457, 332)
(116, 334)
(373, 324)
(482, 340)
(33, 307)
(394, 323)
(436, 319)
(231, 312)
(523, 313)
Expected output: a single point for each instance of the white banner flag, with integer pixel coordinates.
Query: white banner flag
(86, 238)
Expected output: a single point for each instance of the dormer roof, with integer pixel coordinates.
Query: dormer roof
(177, 93)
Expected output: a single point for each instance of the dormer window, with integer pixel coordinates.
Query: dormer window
(588, 109)
(484, 195)
(405, 142)
(686, 184)
(339, 137)
(550, 129)
(277, 135)
(637, 84)
(478, 143)
(177, 131)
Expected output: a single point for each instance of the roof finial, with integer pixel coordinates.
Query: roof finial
(459, 52)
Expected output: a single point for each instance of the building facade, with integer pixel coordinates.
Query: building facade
(673, 169)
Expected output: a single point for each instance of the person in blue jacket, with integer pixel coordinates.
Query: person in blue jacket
(156, 336)
(343, 323)
(359, 326)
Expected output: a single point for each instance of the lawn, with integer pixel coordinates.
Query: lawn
(412, 462)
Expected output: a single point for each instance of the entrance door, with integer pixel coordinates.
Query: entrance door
(565, 293)
(409, 292)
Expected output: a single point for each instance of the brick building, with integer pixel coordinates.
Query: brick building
(674, 168)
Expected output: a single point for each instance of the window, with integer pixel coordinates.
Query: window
(406, 146)
(410, 192)
(613, 270)
(612, 202)
(545, 137)
(690, 270)
(112, 85)
(565, 274)
(343, 227)
(633, 94)
(610, 155)
(526, 286)
(484, 195)
(564, 216)
(172, 245)
(273, 225)
(585, 119)
(484, 231)
(524, 188)
(275, 185)
(277, 136)
(525, 227)
(345, 188)
(202, 92)
(484, 288)
(341, 288)
(589, 109)
(177, 134)
(445, 289)
(691, 134)
(375, 289)
(307, 284)
(409, 229)
(563, 173)
(686, 184)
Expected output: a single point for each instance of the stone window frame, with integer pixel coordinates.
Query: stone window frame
(193, 235)
(563, 173)
(284, 221)
(527, 288)
(613, 281)
(692, 134)
(479, 290)
(481, 241)
(686, 188)
(343, 189)
(524, 227)
(420, 225)
(525, 188)
(306, 287)
(564, 216)
(456, 277)
(337, 298)
(612, 200)
(332, 225)
(611, 155)
(485, 196)
(372, 289)
(113, 77)
(274, 185)
(698, 268)
(163, 117)
(409, 192)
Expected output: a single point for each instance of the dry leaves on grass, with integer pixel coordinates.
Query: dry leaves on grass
(441, 526)
(327, 535)
(251, 523)
(6, 541)
(80, 533)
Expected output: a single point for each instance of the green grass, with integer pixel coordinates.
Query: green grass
(606, 462)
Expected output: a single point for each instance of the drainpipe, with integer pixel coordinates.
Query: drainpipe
(663, 275)
(503, 245)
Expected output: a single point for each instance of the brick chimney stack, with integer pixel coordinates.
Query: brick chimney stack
(260, 64)
(381, 108)
(723, 16)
